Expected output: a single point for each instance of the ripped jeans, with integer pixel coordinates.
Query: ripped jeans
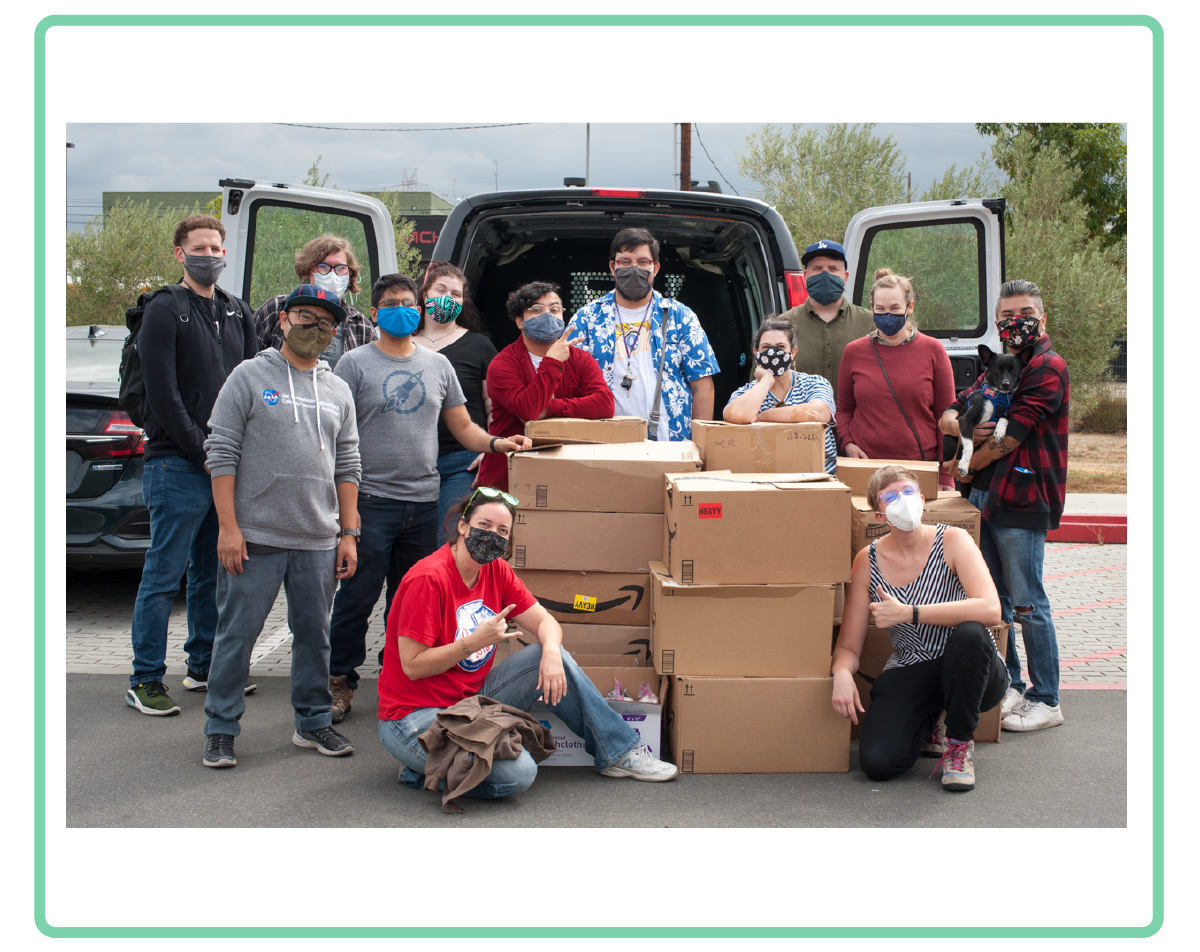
(1014, 557)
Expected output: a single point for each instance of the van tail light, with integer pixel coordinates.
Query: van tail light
(619, 192)
(796, 291)
(126, 439)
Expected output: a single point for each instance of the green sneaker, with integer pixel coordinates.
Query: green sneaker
(151, 697)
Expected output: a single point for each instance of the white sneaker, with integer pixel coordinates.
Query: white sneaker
(1033, 716)
(1012, 697)
(640, 764)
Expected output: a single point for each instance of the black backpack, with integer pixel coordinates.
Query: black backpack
(132, 395)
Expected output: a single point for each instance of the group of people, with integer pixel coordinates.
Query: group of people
(338, 453)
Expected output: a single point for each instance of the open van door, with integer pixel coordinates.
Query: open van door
(954, 253)
(265, 225)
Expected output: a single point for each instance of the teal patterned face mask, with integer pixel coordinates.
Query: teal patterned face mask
(443, 309)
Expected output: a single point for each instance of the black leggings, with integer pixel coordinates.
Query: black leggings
(968, 678)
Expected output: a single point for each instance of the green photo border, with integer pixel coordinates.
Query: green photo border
(939, 930)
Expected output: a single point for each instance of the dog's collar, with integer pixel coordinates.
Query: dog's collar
(999, 398)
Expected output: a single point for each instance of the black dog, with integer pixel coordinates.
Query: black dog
(1001, 377)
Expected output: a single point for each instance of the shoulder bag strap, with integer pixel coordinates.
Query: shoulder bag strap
(662, 362)
(916, 439)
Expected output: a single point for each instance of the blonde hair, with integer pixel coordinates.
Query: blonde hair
(887, 278)
(885, 477)
(320, 248)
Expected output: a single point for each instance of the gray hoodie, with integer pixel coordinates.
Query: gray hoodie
(265, 432)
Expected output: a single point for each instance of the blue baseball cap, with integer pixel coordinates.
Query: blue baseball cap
(823, 249)
(313, 295)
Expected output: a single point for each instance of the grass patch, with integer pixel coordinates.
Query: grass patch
(1107, 416)
(1095, 482)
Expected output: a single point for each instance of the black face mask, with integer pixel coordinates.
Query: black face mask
(485, 546)
(775, 359)
(633, 282)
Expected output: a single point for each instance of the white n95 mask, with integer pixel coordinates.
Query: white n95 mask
(905, 512)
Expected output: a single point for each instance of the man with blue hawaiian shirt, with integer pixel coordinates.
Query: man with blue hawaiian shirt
(624, 332)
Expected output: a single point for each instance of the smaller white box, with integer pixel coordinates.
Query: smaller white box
(645, 719)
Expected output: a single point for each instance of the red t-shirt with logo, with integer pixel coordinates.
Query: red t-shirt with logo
(435, 607)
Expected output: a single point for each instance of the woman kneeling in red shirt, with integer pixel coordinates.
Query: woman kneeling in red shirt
(445, 623)
(539, 375)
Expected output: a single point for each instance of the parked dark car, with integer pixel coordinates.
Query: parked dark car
(108, 526)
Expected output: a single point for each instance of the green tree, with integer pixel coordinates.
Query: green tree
(115, 258)
(1094, 150)
(819, 180)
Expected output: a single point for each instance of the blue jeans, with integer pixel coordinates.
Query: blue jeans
(244, 601)
(183, 538)
(513, 681)
(1014, 557)
(395, 536)
(456, 486)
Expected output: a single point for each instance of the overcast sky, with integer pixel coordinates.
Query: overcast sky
(183, 157)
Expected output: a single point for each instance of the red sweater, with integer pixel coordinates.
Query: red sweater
(866, 410)
(518, 393)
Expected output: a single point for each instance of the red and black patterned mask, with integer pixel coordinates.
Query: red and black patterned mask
(1018, 332)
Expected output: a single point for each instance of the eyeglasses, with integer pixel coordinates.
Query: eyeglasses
(646, 264)
(340, 269)
(889, 497)
(323, 321)
(539, 309)
(492, 494)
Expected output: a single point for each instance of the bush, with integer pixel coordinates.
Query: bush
(1105, 415)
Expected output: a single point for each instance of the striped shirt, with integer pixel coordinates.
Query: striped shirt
(805, 388)
(937, 583)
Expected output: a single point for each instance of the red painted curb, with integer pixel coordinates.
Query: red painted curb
(1090, 527)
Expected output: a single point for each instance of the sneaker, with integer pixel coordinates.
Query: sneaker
(1012, 697)
(325, 739)
(218, 751)
(343, 694)
(199, 682)
(935, 743)
(640, 764)
(151, 697)
(958, 766)
(1033, 716)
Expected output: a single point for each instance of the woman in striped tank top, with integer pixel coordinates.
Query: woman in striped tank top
(929, 586)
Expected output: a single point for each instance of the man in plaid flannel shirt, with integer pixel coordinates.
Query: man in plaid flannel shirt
(1020, 485)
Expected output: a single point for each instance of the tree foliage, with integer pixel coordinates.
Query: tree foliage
(1096, 153)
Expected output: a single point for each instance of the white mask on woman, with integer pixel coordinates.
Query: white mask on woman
(904, 512)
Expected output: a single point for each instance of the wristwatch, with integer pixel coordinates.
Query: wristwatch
(357, 533)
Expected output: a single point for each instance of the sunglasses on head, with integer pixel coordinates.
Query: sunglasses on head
(889, 497)
(491, 494)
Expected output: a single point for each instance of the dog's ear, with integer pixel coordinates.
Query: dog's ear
(985, 354)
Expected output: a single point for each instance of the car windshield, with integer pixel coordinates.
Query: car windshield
(94, 361)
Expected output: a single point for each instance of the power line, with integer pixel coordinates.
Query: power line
(494, 125)
(711, 162)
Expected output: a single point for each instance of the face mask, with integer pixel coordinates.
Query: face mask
(905, 512)
(332, 283)
(443, 309)
(398, 321)
(204, 269)
(545, 328)
(633, 282)
(889, 323)
(825, 287)
(307, 342)
(775, 359)
(1017, 333)
(485, 546)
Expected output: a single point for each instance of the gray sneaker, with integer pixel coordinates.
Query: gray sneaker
(325, 739)
(640, 764)
(151, 697)
(218, 751)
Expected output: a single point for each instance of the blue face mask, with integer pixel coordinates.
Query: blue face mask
(398, 321)
(824, 287)
(545, 328)
(890, 324)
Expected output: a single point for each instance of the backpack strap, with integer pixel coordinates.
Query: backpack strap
(180, 294)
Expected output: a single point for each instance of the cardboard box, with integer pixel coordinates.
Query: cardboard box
(950, 510)
(621, 429)
(764, 631)
(856, 473)
(761, 447)
(756, 725)
(587, 541)
(584, 640)
(645, 719)
(719, 525)
(592, 598)
(600, 477)
(839, 603)
(878, 648)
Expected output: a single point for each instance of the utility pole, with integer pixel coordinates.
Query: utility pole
(908, 197)
(67, 186)
(587, 168)
(497, 174)
(685, 156)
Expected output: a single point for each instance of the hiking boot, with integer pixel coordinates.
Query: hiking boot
(325, 739)
(150, 697)
(218, 751)
(640, 764)
(1012, 697)
(199, 682)
(958, 766)
(935, 743)
(343, 694)
(1033, 716)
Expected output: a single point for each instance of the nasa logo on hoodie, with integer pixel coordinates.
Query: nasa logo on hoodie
(270, 397)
